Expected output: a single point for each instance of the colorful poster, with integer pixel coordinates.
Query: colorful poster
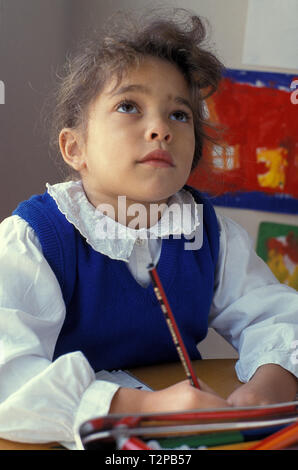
(277, 245)
(255, 163)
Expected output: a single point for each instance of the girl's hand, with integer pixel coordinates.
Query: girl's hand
(270, 384)
(179, 397)
(183, 396)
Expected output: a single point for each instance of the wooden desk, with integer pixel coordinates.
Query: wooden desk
(219, 374)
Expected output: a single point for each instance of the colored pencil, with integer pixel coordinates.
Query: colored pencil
(280, 439)
(213, 439)
(131, 443)
(171, 322)
(236, 446)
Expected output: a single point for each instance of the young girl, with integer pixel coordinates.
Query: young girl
(76, 298)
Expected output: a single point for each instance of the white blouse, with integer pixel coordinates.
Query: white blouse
(44, 401)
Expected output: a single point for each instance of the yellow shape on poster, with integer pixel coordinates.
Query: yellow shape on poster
(276, 161)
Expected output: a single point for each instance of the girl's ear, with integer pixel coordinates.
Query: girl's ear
(71, 147)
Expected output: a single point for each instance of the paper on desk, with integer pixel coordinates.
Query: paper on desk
(123, 378)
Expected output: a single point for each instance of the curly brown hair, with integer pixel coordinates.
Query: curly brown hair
(177, 36)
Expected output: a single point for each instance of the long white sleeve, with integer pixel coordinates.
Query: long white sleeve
(251, 309)
(40, 400)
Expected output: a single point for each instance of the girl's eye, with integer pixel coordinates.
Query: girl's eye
(182, 116)
(127, 107)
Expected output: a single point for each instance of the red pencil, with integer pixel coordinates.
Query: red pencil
(131, 443)
(174, 330)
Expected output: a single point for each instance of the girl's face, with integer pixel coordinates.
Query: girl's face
(149, 110)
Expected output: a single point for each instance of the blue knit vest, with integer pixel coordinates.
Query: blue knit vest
(113, 320)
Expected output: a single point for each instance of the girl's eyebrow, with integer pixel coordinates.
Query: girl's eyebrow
(144, 89)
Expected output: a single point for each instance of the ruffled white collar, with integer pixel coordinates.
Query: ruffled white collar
(181, 217)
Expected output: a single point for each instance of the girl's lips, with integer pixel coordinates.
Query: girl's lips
(158, 157)
(160, 163)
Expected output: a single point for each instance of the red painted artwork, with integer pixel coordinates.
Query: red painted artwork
(259, 144)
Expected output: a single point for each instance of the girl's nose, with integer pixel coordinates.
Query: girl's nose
(159, 132)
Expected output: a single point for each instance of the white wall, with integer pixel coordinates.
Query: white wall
(34, 37)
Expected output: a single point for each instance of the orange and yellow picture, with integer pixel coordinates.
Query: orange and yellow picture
(277, 245)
